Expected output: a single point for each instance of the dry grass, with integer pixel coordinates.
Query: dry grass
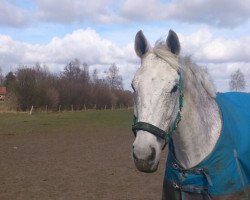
(65, 122)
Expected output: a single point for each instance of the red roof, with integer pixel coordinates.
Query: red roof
(2, 90)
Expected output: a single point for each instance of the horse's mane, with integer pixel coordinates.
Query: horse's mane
(193, 74)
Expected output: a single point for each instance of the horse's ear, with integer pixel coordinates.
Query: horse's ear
(173, 42)
(141, 44)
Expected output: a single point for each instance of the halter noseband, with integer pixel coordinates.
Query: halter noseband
(159, 133)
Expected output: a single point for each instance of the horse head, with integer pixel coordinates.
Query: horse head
(157, 93)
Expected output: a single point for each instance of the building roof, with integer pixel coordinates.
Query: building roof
(2, 90)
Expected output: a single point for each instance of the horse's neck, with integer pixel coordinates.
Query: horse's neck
(198, 130)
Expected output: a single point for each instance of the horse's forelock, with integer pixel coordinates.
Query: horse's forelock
(160, 49)
(192, 72)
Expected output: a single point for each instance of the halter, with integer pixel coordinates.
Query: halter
(159, 133)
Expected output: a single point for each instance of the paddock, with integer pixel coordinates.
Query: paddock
(77, 156)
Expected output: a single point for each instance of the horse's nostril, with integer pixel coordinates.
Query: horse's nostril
(153, 154)
(134, 156)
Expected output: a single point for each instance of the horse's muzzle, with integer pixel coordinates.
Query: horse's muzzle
(146, 165)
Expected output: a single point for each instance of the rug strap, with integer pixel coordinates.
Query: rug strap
(240, 172)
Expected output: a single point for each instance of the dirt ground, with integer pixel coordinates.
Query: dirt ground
(89, 166)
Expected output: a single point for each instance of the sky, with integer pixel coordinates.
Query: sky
(215, 33)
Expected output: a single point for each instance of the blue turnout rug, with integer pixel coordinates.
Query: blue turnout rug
(225, 173)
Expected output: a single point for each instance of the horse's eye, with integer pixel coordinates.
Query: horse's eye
(174, 89)
(132, 87)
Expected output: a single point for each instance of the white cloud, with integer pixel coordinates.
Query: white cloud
(206, 48)
(86, 45)
(221, 56)
(67, 11)
(223, 13)
(143, 11)
(83, 44)
(10, 15)
(221, 74)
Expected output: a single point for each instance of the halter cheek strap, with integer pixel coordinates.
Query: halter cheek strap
(159, 133)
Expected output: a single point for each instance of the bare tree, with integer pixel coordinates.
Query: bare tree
(237, 81)
(36, 86)
(95, 76)
(53, 96)
(72, 70)
(113, 78)
(1, 77)
(85, 77)
(10, 80)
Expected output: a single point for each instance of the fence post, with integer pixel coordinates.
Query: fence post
(72, 108)
(59, 108)
(31, 110)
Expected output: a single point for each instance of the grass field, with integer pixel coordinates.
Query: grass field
(65, 122)
(72, 156)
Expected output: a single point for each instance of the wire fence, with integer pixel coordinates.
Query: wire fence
(75, 108)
